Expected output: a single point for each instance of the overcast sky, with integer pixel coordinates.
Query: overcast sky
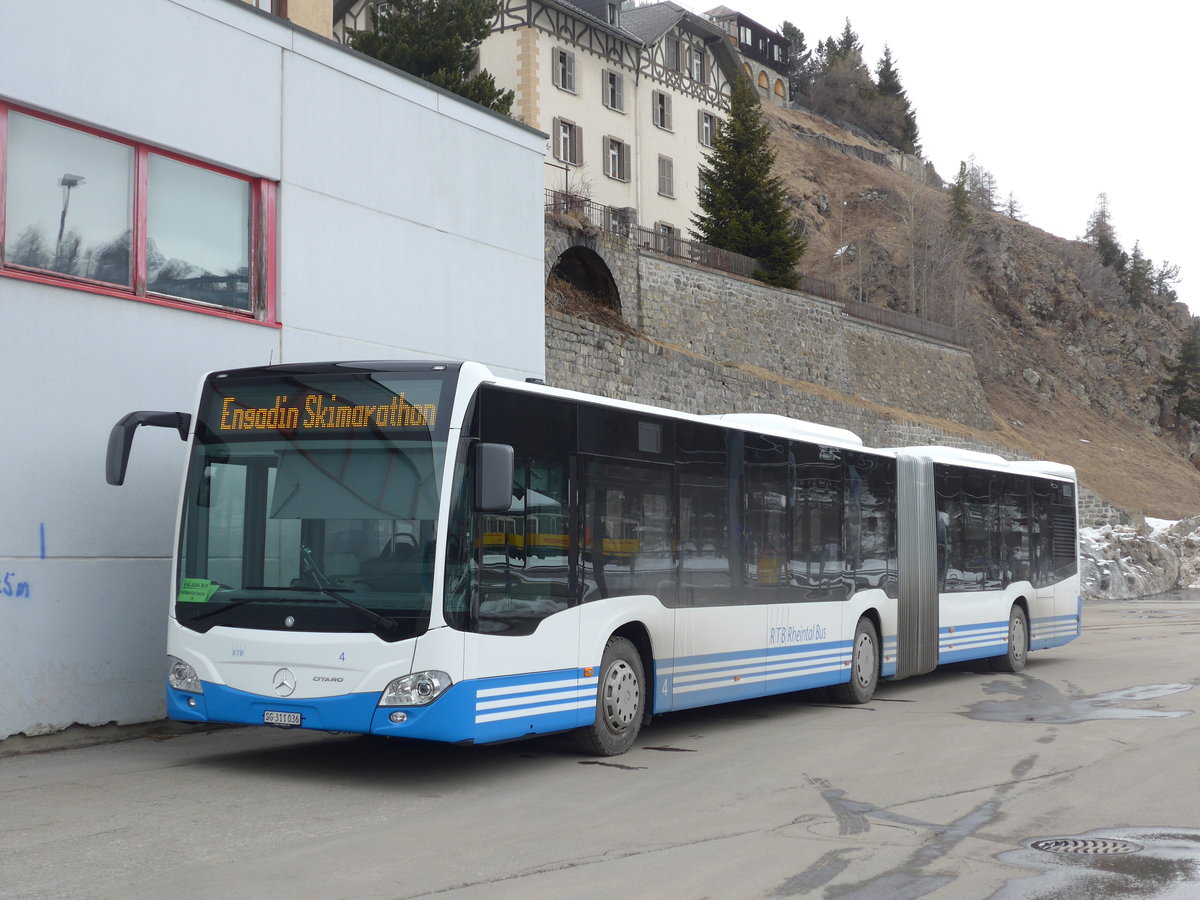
(1059, 99)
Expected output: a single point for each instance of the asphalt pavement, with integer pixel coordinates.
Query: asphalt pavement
(1077, 778)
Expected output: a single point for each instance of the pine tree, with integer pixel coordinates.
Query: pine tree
(1139, 276)
(981, 185)
(743, 205)
(847, 44)
(799, 62)
(901, 120)
(960, 204)
(1012, 208)
(1183, 378)
(437, 40)
(1101, 235)
(842, 89)
(1165, 279)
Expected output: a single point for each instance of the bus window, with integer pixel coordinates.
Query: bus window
(702, 469)
(524, 568)
(765, 519)
(1014, 514)
(871, 522)
(817, 561)
(629, 539)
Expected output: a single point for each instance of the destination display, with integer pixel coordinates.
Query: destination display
(324, 411)
(280, 407)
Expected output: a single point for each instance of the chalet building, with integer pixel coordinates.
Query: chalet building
(764, 52)
(631, 99)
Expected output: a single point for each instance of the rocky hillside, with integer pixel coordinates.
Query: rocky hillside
(1071, 369)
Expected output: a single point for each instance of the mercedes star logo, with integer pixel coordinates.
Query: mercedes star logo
(285, 682)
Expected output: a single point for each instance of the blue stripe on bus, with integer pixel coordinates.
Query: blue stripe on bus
(978, 640)
(891, 656)
(722, 677)
(1054, 631)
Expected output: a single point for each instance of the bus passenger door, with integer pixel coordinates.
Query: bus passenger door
(628, 550)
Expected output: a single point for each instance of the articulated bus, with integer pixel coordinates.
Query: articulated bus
(425, 550)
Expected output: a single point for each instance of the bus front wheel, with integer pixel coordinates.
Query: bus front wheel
(1018, 643)
(620, 701)
(864, 666)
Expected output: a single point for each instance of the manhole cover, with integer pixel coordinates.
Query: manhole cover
(1086, 845)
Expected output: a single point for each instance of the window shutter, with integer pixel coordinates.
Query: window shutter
(625, 162)
(556, 137)
(577, 145)
(570, 72)
(620, 92)
(554, 68)
(667, 112)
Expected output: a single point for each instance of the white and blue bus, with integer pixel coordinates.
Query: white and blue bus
(425, 550)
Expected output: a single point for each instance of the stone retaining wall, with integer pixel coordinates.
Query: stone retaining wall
(727, 319)
(586, 357)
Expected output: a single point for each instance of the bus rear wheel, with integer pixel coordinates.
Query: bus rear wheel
(620, 702)
(864, 666)
(1018, 643)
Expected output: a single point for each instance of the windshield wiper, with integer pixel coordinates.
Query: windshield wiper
(386, 623)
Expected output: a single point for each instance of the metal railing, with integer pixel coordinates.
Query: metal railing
(881, 315)
(669, 244)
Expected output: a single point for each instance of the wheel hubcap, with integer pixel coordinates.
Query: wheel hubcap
(621, 696)
(1016, 639)
(864, 660)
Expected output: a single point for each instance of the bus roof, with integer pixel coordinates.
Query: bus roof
(975, 459)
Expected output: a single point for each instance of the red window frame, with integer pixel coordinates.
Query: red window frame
(262, 253)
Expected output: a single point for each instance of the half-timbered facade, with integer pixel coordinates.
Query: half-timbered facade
(764, 52)
(630, 99)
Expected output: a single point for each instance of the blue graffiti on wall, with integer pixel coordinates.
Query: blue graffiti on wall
(10, 587)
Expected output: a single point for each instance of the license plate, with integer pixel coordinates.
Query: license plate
(270, 717)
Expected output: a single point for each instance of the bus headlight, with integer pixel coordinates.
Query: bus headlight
(416, 689)
(182, 676)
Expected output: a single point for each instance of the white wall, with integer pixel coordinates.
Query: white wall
(409, 224)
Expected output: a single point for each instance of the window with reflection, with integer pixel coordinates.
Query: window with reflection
(1015, 528)
(69, 202)
(870, 492)
(629, 539)
(198, 234)
(524, 557)
(968, 529)
(195, 235)
(817, 563)
(765, 519)
(702, 467)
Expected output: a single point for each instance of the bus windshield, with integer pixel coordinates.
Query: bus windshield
(311, 503)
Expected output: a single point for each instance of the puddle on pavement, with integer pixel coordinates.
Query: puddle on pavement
(1038, 701)
(1110, 863)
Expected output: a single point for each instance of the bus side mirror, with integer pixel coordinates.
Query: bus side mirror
(493, 477)
(120, 439)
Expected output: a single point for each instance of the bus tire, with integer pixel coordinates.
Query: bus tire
(620, 701)
(1018, 642)
(864, 666)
